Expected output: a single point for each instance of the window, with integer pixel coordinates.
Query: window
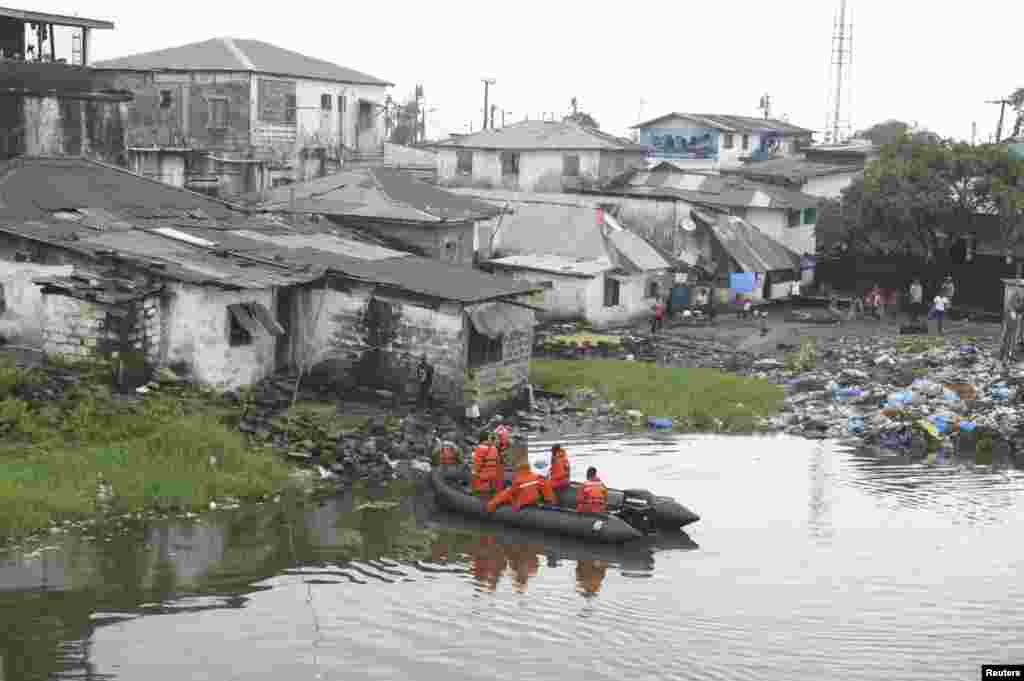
(727, 140)
(464, 162)
(611, 292)
(794, 218)
(165, 99)
(810, 216)
(653, 289)
(746, 142)
(247, 321)
(218, 113)
(482, 348)
(570, 165)
(289, 108)
(509, 163)
(325, 102)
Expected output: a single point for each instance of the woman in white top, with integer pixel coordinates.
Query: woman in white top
(939, 306)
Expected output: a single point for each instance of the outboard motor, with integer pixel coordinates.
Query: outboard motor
(637, 506)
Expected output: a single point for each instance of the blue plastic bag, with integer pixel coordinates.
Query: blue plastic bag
(968, 426)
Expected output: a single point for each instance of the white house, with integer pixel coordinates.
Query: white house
(715, 141)
(233, 116)
(594, 268)
(823, 172)
(534, 156)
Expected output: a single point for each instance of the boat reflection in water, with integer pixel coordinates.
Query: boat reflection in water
(494, 551)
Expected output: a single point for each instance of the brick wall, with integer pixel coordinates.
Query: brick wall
(492, 384)
(80, 328)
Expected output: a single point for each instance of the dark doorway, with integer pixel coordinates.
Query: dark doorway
(285, 351)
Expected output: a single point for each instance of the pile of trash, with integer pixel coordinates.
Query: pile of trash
(901, 396)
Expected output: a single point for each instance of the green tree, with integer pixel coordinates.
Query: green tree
(999, 190)
(1017, 101)
(892, 131)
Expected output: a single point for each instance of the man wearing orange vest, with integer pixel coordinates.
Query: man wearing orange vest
(528, 489)
(593, 496)
(488, 469)
(559, 473)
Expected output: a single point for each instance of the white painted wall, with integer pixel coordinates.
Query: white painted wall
(775, 223)
(539, 171)
(828, 186)
(23, 320)
(197, 334)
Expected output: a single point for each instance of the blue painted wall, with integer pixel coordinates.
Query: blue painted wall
(681, 142)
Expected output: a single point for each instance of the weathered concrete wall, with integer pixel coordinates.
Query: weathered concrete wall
(449, 242)
(828, 186)
(81, 328)
(23, 318)
(198, 330)
(493, 384)
(775, 223)
(565, 300)
(55, 126)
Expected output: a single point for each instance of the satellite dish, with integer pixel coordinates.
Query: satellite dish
(687, 225)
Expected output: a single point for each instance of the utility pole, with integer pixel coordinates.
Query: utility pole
(487, 83)
(974, 132)
(1002, 111)
(840, 58)
(493, 107)
(574, 109)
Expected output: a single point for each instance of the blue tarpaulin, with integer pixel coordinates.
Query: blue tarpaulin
(680, 296)
(742, 282)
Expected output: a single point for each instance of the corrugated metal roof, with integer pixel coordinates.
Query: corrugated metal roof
(730, 123)
(637, 251)
(55, 19)
(556, 264)
(237, 54)
(550, 229)
(381, 193)
(328, 243)
(793, 170)
(753, 250)
(532, 135)
(668, 180)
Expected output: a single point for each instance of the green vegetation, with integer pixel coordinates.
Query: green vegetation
(804, 359)
(583, 340)
(919, 344)
(696, 399)
(172, 451)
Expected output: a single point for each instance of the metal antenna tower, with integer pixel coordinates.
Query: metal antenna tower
(837, 124)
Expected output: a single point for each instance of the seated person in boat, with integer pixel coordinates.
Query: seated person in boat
(488, 469)
(446, 453)
(559, 473)
(528, 488)
(593, 496)
(504, 433)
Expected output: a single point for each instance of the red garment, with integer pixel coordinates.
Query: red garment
(592, 497)
(488, 469)
(504, 437)
(559, 474)
(659, 311)
(526, 490)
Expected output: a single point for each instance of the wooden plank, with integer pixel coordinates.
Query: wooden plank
(263, 316)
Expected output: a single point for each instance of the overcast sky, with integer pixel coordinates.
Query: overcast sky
(931, 62)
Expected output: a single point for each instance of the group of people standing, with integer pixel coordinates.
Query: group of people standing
(527, 488)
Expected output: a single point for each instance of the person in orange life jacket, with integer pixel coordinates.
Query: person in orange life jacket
(559, 473)
(593, 496)
(488, 469)
(527, 489)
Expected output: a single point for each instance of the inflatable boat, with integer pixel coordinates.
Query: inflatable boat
(630, 516)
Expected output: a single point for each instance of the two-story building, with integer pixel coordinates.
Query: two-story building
(229, 116)
(823, 171)
(714, 141)
(534, 156)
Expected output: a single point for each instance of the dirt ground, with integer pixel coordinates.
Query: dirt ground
(746, 336)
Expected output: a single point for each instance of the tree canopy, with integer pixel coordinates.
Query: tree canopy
(892, 130)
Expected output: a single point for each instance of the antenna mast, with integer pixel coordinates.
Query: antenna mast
(837, 123)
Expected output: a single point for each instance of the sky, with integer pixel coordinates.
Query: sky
(929, 62)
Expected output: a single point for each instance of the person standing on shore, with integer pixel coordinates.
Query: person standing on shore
(916, 300)
(939, 308)
(425, 379)
(659, 316)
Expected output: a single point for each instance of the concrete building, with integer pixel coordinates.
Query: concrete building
(229, 116)
(51, 103)
(534, 156)
(715, 141)
(96, 260)
(393, 205)
(594, 269)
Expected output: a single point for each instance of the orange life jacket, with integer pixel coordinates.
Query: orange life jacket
(559, 474)
(527, 489)
(489, 469)
(592, 497)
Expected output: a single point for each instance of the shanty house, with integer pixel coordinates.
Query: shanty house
(712, 141)
(787, 216)
(593, 268)
(392, 204)
(534, 156)
(230, 116)
(98, 260)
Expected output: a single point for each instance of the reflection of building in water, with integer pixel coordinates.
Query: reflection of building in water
(48, 570)
(590, 576)
(819, 518)
(193, 550)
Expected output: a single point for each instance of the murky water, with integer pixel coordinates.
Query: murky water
(809, 561)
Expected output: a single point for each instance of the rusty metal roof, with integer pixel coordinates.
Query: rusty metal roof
(752, 249)
(237, 54)
(536, 135)
(55, 19)
(556, 264)
(794, 171)
(730, 123)
(379, 193)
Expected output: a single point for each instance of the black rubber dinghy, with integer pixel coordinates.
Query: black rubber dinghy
(452, 487)
(665, 513)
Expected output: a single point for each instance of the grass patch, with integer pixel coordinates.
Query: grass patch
(804, 359)
(919, 344)
(703, 400)
(161, 452)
